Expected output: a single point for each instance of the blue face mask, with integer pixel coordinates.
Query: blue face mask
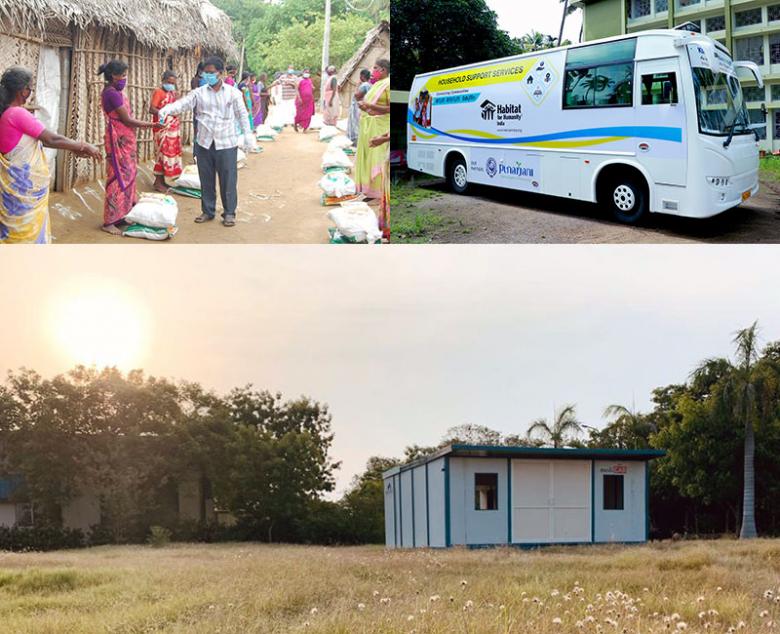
(169, 87)
(210, 78)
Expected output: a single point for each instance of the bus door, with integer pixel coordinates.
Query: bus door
(660, 109)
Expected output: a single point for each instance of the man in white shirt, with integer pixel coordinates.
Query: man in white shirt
(220, 111)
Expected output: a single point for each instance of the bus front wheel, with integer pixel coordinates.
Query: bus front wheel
(626, 197)
(457, 175)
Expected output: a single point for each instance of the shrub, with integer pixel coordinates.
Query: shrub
(40, 538)
(159, 536)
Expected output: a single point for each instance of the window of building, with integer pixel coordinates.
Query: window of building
(717, 23)
(750, 49)
(774, 48)
(777, 124)
(600, 75)
(775, 92)
(773, 13)
(747, 18)
(659, 88)
(687, 3)
(24, 514)
(756, 116)
(753, 93)
(613, 492)
(661, 5)
(638, 9)
(485, 491)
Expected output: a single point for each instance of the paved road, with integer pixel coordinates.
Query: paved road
(278, 201)
(493, 215)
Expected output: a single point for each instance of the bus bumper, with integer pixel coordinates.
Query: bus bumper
(714, 200)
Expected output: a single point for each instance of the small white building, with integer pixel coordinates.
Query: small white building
(476, 495)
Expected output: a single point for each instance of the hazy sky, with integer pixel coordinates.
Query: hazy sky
(518, 17)
(402, 342)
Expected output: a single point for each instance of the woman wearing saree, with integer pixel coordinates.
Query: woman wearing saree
(167, 137)
(304, 102)
(246, 92)
(331, 104)
(265, 96)
(353, 123)
(24, 174)
(121, 149)
(257, 105)
(371, 177)
(384, 202)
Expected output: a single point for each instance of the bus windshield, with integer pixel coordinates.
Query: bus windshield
(719, 103)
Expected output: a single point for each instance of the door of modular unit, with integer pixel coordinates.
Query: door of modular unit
(551, 501)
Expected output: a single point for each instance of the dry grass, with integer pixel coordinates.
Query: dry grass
(694, 586)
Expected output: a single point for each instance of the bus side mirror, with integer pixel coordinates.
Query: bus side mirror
(753, 68)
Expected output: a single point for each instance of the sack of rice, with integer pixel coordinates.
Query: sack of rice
(149, 233)
(265, 132)
(327, 132)
(240, 158)
(342, 124)
(189, 178)
(340, 142)
(356, 220)
(316, 122)
(335, 158)
(337, 184)
(154, 210)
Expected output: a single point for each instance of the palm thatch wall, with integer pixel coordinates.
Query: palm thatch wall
(150, 35)
(375, 46)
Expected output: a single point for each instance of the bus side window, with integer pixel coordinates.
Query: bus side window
(659, 88)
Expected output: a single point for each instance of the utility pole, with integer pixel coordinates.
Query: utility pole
(325, 49)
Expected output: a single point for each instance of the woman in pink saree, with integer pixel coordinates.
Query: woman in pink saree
(304, 102)
(121, 149)
(257, 104)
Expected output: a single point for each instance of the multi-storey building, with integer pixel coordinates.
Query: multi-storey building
(749, 28)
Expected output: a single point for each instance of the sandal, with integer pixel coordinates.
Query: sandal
(203, 218)
(229, 221)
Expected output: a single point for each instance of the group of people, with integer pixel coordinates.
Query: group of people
(225, 116)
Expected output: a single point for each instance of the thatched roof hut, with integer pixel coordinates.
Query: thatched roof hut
(64, 41)
(376, 45)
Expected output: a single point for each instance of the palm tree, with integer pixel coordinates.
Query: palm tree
(632, 426)
(565, 422)
(741, 394)
(564, 13)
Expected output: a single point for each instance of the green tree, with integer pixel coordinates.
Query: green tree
(627, 429)
(443, 33)
(556, 433)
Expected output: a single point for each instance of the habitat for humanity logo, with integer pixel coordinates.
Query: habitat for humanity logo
(490, 167)
(488, 109)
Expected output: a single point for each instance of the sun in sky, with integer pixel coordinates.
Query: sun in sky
(94, 322)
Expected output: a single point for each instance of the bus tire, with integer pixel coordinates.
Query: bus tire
(457, 175)
(627, 199)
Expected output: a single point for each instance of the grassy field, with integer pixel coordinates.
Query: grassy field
(691, 586)
(770, 169)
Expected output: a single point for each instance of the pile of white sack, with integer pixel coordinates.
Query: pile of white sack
(337, 185)
(265, 132)
(335, 160)
(357, 222)
(316, 122)
(189, 178)
(343, 124)
(153, 217)
(327, 132)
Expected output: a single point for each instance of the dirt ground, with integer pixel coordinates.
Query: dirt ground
(278, 201)
(429, 212)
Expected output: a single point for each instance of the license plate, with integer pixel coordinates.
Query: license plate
(745, 195)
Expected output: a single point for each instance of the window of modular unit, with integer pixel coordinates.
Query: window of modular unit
(658, 89)
(485, 491)
(747, 18)
(773, 13)
(718, 23)
(613, 492)
(750, 49)
(757, 116)
(752, 93)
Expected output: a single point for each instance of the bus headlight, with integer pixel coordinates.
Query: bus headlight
(718, 181)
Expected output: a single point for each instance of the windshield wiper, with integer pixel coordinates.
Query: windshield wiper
(733, 125)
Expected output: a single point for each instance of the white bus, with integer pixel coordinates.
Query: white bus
(652, 121)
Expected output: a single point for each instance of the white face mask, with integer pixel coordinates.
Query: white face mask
(306, 75)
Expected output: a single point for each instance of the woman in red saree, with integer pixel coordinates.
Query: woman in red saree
(167, 137)
(121, 149)
(304, 102)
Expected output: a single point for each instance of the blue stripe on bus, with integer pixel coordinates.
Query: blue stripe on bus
(643, 131)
